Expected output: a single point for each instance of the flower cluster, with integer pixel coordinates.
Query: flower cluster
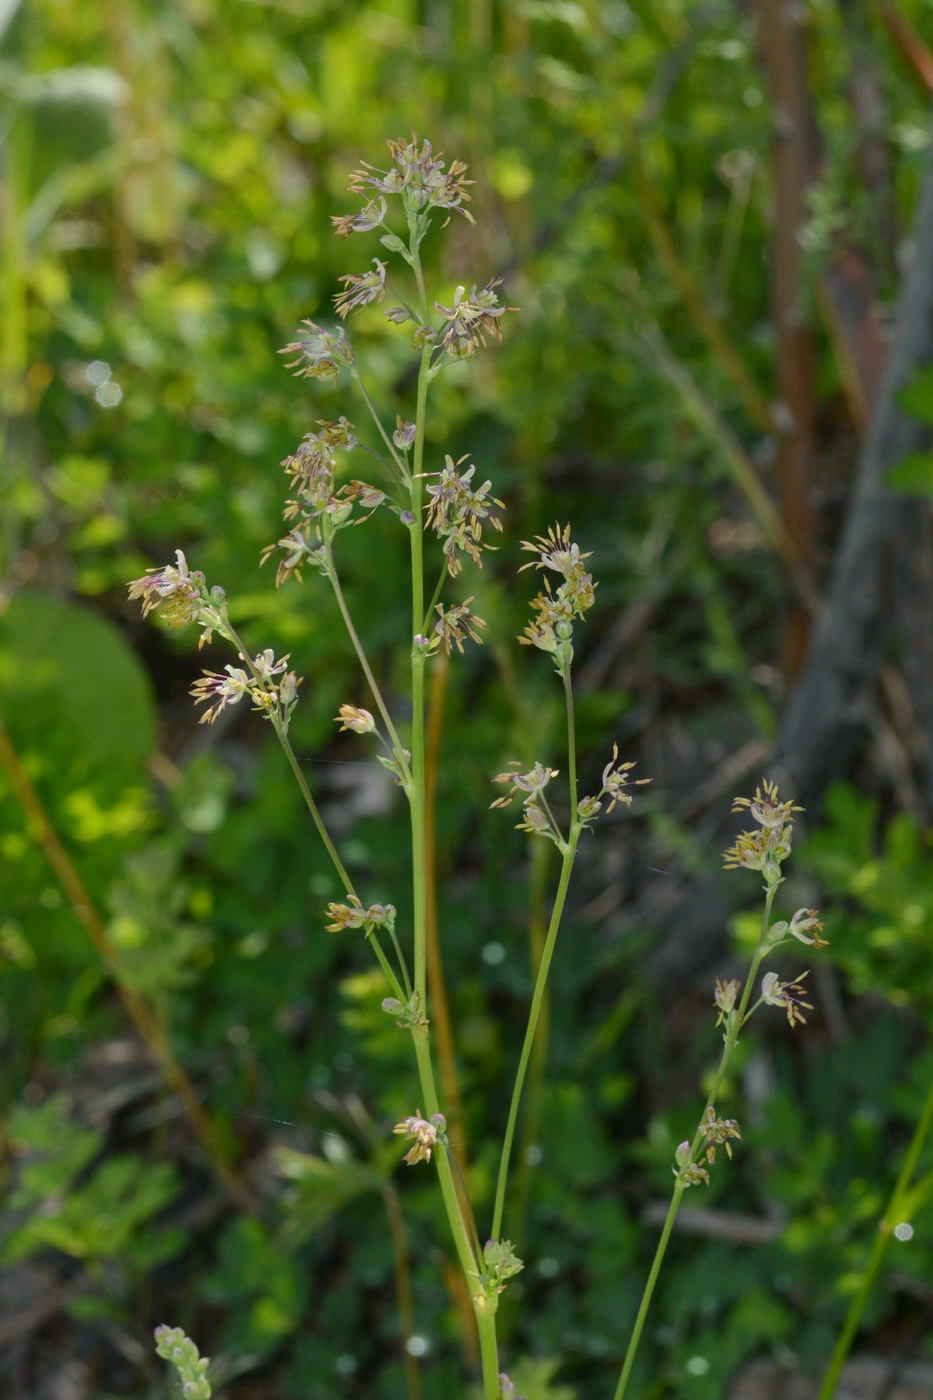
(311, 469)
(788, 995)
(769, 845)
(455, 624)
(805, 926)
(551, 628)
(536, 817)
(725, 998)
(502, 1263)
(361, 289)
(422, 179)
(274, 699)
(615, 781)
(471, 319)
(311, 466)
(717, 1131)
(370, 216)
(172, 1345)
(689, 1172)
(457, 511)
(427, 1133)
(319, 354)
(354, 914)
(178, 592)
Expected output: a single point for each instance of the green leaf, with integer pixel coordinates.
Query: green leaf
(73, 687)
(917, 396)
(913, 474)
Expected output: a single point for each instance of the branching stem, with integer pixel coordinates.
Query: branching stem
(731, 1040)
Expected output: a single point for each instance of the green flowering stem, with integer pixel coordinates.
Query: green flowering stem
(417, 688)
(571, 741)
(364, 663)
(731, 1040)
(537, 998)
(486, 1322)
(469, 1263)
(879, 1248)
(568, 851)
(673, 1208)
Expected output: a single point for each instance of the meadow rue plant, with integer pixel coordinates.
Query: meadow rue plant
(448, 514)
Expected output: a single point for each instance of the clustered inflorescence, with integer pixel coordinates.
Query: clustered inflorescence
(765, 849)
(173, 1346)
(181, 595)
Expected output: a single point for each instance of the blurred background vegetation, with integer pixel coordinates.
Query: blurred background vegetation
(705, 212)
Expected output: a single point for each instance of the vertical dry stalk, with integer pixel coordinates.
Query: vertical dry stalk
(782, 43)
(136, 1007)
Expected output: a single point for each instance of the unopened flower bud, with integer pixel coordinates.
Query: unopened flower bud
(393, 243)
(683, 1154)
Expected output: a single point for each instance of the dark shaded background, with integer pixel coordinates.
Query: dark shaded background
(722, 373)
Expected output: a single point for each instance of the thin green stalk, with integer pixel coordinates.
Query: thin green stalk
(571, 742)
(568, 852)
(403, 965)
(387, 968)
(393, 451)
(296, 769)
(731, 1041)
(536, 1000)
(470, 1264)
(313, 809)
(462, 1242)
(417, 690)
(489, 1351)
(645, 1304)
(362, 658)
(878, 1250)
(435, 600)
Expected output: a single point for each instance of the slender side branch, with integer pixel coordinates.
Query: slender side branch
(393, 451)
(534, 1013)
(731, 1040)
(299, 776)
(364, 662)
(544, 967)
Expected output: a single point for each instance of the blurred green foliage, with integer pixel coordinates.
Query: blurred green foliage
(169, 171)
